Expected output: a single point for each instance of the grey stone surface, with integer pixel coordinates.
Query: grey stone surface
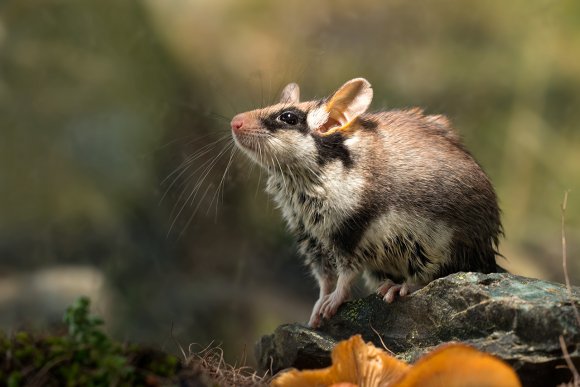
(515, 318)
(294, 345)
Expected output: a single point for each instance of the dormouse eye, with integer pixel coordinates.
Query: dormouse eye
(289, 118)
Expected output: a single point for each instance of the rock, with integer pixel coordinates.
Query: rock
(293, 345)
(515, 318)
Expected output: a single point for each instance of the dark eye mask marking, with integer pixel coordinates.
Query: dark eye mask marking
(273, 123)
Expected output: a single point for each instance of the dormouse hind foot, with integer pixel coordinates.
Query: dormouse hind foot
(389, 290)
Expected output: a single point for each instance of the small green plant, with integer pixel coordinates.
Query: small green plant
(85, 356)
(92, 350)
(82, 327)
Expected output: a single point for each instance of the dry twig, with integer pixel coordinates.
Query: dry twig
(576, 375)
(211, 361)
(382, 342)
(565, 256)
(571, 367)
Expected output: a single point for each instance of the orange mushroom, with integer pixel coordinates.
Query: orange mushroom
(355, 363)
(459, 365)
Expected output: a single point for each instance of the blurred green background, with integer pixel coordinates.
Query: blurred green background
(103, 103)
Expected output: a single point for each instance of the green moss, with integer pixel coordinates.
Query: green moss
(85, 356)
(353, 310)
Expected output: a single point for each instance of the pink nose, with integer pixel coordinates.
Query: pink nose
(237, 122)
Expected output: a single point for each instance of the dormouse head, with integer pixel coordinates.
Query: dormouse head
(303, 134)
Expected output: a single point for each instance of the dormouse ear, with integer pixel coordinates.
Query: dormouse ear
(344, 106)
(290, 94)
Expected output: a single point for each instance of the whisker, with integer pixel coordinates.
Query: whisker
(179, 140)
(200, 152)
(206, 168)
(219, 117)
(260, 176)
(190, 219)
(209, 167)
(262, 90)
(185, 165)
(216, 194)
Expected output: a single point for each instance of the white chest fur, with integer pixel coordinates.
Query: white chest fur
(317, 204)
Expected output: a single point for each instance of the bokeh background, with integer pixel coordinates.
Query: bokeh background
(118, 180)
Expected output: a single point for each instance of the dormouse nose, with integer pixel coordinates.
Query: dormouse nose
(237, 122)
